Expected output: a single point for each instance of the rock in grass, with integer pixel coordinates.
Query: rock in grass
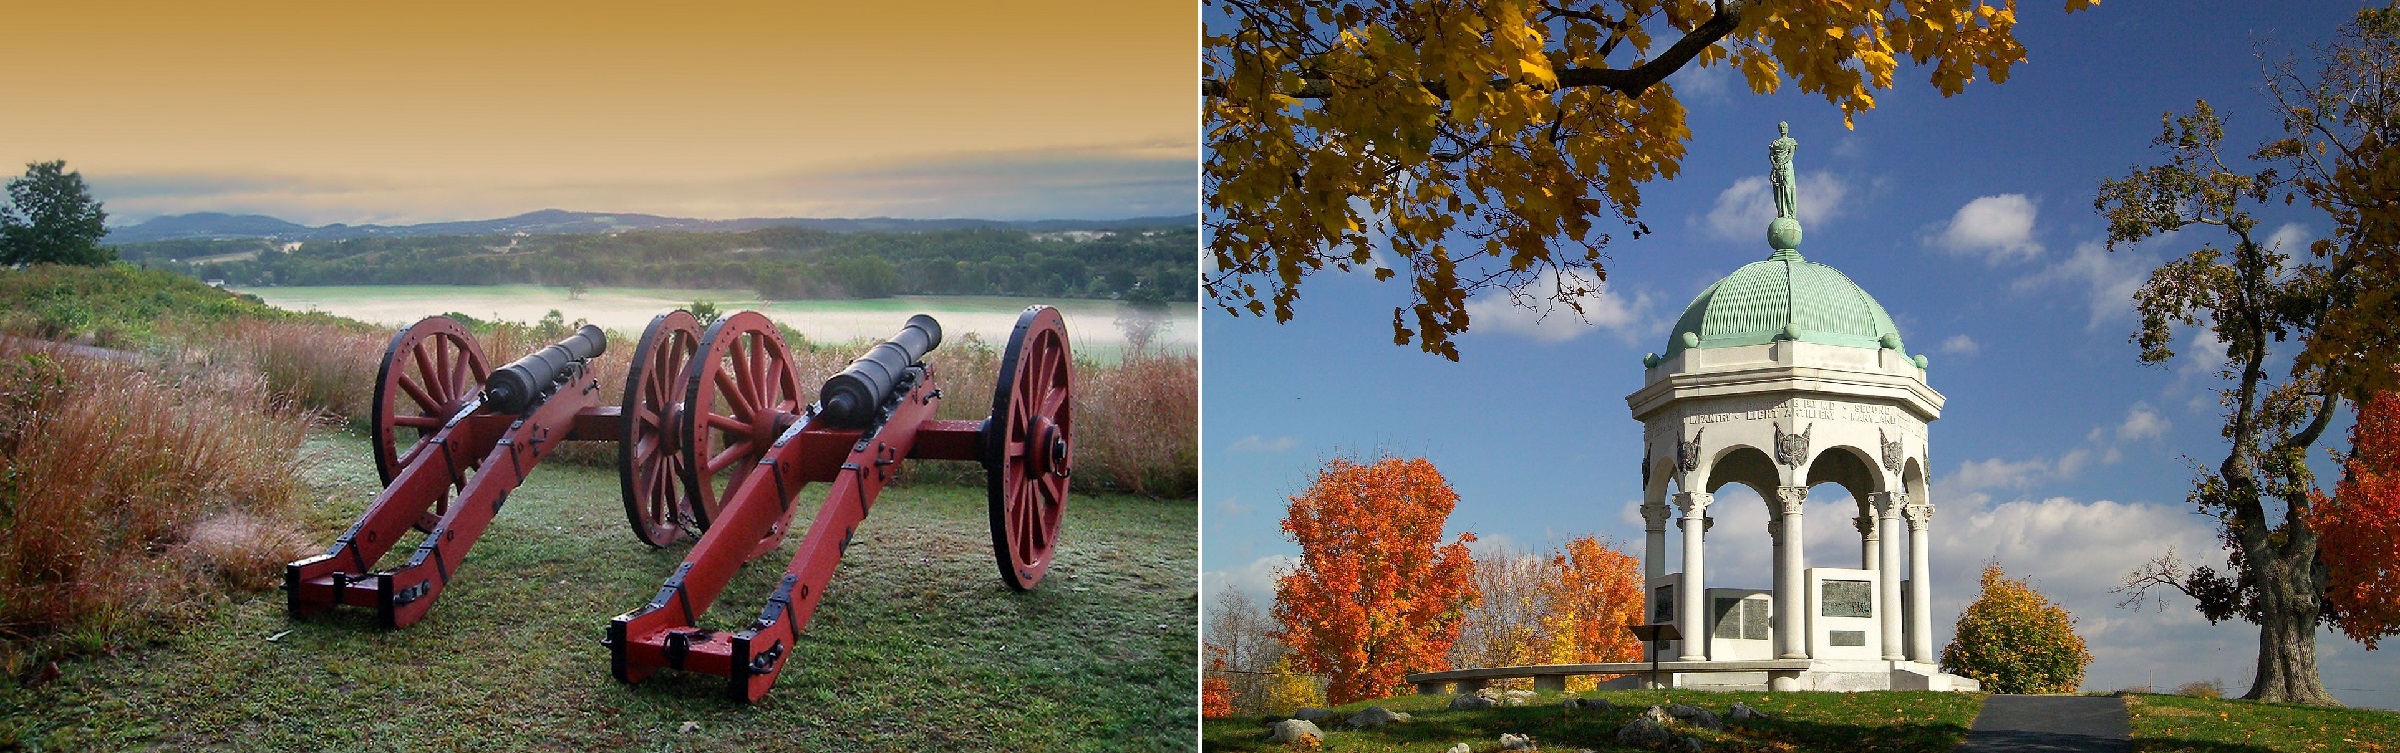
(1375, 716)
(1589, 704)
(1741, 712)
(1460, 748)
(1515, 742)
(1471, 701)
(1516, 697)
(1691, 745)
(1646, 731)
(1311, 713)
(1695, 716)
(1293, 730)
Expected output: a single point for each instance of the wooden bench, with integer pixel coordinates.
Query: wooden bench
(1554, 676)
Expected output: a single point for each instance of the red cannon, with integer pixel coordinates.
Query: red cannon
(869, 419)
(712, 436)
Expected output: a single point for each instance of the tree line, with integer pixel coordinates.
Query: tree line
(779, 263)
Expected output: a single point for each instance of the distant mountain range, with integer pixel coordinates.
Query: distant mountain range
(562, 222)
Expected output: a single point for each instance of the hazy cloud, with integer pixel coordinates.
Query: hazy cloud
(1995, 228)
(2142, 423)
(1743, 209)
(1255, 578)
(2108, 279)
(1098, 183)
(1256, 443)
(1551, 322)
(1962, 345)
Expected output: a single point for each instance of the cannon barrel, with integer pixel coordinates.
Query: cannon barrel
(851, 398)
(513, 387)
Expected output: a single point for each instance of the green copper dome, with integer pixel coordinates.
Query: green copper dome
(1784, 297)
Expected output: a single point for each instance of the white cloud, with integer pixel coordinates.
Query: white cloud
(2109, 279)
(1256, 443)
(2142, 423)
(1703, 82)
(1255, 578)
(1974, 479)
(1743, 209)
(2292, 239)
(1961, 345)
(1556, 322)
(1996, 228)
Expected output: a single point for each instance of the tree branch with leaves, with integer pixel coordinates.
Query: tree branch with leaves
(1493, 145)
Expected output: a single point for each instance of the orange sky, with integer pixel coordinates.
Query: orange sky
(350, 111)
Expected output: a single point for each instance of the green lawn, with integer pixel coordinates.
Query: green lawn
(917, 646)
(1889, 722)
(2175, 724)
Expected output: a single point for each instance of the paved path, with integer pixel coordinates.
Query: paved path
(2050, 724)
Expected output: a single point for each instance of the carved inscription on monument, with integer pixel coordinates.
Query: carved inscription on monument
(1831, 410)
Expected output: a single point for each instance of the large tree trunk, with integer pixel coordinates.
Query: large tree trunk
(2288, 612)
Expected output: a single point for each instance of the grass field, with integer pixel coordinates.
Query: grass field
(1091, 323)
(1887, 722)
(2176, 724)
(917, 646)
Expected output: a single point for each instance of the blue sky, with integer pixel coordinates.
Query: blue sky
(1969, 218)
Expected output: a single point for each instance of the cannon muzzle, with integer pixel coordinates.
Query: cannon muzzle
(513, 387)
(852, 397)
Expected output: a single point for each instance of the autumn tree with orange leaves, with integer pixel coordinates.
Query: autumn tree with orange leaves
(2359, 528)
(1597, 593)
(1377, 594)
(1216, 693)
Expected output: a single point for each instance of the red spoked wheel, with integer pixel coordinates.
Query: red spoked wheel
(429, 372)
(740, 393)
(657, 500)
(1028, 445)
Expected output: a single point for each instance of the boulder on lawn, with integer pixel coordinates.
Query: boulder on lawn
(1741, 712)
(1471, 701)
(1375, 716)
(1460, 748)
(1695, 716)
(1589, 704)
(1515, 742)
(1516, 697)
(1291, 731)
(1646, 731)
(1311, 714)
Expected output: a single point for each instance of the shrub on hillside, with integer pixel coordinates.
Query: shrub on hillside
(132, 498)
(2013, 640)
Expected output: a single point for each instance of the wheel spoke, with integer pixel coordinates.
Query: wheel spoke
(459, 373)
(425, 401)
(733, 453)
(416, 351)
(418, 422)
(732, 392)
(441, 361)
(728, 423)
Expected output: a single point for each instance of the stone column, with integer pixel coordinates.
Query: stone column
(1791, 583)
(1887, 578)
(1690, 613)
(1920, 581)
(1867, 538)
(1654, 554)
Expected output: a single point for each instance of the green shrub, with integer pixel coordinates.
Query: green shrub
(2013, 640)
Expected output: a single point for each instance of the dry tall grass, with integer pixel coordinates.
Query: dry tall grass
(131, 498)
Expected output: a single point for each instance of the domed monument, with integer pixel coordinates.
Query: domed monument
(1782, 376)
